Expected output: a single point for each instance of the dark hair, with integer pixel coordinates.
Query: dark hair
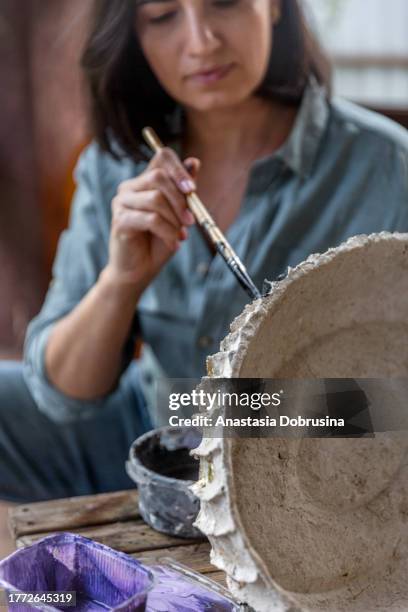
(126, 96)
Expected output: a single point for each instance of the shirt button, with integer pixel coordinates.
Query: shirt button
(205, 341)
(148, 378)
(202, 268)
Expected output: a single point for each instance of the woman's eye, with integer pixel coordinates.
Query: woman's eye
(170, 14)
(162, 18)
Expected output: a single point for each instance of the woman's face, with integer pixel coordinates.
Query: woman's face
(207, 54)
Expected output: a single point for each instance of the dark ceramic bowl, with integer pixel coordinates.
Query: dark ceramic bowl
(161, 466)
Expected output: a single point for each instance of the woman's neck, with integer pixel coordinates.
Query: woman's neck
(253, 129)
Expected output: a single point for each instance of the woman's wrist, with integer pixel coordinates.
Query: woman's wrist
(121, 287)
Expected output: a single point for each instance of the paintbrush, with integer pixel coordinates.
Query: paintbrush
(208, 224)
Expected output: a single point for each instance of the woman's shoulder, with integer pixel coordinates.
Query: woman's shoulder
(104, 168)
(378, 130)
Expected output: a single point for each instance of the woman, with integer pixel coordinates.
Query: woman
(240, 91)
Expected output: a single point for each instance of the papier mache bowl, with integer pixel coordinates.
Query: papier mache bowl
(317, 524)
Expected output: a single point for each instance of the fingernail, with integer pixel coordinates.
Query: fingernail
(188, 217)
(183, 233)
(187, 186)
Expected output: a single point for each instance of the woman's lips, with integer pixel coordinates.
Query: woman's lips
(211, 76)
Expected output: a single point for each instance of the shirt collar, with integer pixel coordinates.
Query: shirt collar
(300, 150)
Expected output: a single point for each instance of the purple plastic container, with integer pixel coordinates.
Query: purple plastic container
(179, 589)
(102, 578)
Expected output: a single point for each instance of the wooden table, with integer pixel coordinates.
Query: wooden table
(112, 519)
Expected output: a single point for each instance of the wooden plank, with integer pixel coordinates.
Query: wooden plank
(194, 556)
(113, 520)
(72, 513)
(218, 577)
(130, 536)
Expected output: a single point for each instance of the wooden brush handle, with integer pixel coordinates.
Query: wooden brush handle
(206, 221)
(196, 206)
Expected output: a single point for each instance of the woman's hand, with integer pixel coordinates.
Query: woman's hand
(149, 218)
(84, 353)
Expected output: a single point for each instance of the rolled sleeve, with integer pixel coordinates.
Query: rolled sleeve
(81, 255)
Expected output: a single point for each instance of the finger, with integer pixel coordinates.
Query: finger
(135, 221)
(161, 179)
(193, 165)
(158, 178)
(167, 158)
(151, 201)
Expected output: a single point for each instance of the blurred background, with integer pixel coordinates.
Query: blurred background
(43, 123)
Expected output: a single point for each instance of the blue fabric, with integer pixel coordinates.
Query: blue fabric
(343, 171)
(41, 459)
